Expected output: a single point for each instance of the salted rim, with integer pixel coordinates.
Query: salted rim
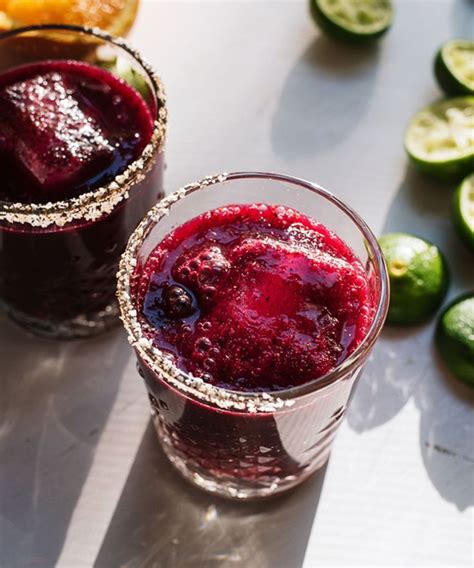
(93, 204)
(163, 365)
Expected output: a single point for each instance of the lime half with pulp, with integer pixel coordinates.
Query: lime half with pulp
(454, 67)
(455, 338)
(440, 138)
(463, 211)
(122, 68)
(419, 278)
(353, 20)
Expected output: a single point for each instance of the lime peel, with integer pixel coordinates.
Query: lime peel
(440, 138)
(353, 20)
(455, 338)
(419, 278)
(463, 211)
(454, 67)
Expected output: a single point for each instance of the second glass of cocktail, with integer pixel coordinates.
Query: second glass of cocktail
(251, 318)
(82, 131)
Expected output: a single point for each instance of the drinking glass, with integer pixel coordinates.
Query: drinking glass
(241, 444)
(58, 260)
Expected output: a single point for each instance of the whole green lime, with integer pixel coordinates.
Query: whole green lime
(455, 338)
(419, 278)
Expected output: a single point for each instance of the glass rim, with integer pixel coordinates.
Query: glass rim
(95, 203)
(162, 363)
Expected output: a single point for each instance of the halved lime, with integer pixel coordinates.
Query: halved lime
(419, 278)
(353, 20)
(454, 67)
(455, 338)
(122, 67)
(463, 211)
(440, 138)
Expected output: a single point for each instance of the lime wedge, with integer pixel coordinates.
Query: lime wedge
(454, 67)
(353, 20)
(463, 211)
(419, 278)
(455, 338)
(440, 138)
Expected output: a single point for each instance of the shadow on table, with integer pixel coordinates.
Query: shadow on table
(55, 400)
(405, 363)
(383, 390)
(462, 25)
(447, 433)
(329, 79)
(163, 521)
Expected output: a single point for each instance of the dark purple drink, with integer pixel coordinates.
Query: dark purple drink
(79, 153)
(249, 322)
(246, 453)
(250, 298)
(254, 298)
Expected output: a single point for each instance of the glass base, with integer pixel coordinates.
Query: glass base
(82, 326)
(237, 489)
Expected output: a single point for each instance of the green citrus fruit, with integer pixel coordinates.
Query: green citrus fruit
(419, 278)
(121, 67)
(440, 138)
(455, 338)
(463, 211)
(454, 67)
(353, 20)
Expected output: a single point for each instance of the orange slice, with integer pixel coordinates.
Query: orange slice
(114, 16)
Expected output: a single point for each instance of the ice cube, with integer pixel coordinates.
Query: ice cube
(49, 133)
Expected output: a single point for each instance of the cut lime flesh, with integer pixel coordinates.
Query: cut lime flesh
(455, 338)
(122, 68)
(440, 138)
(353, 19)
(464, 211)
(454, 67)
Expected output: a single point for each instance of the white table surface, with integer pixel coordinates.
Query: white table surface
(252, 85)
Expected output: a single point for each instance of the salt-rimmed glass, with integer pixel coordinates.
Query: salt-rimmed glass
(241, 444)
(58, 260)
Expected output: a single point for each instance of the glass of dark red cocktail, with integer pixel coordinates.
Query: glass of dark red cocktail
(82, 130)
(252, 301)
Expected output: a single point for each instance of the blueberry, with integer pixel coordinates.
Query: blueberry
(178, 303)
(203, 344)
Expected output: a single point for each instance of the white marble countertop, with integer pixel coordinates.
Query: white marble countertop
(252, 85)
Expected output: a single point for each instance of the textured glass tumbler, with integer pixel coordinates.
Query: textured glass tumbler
(58, 260)
(237, 444)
